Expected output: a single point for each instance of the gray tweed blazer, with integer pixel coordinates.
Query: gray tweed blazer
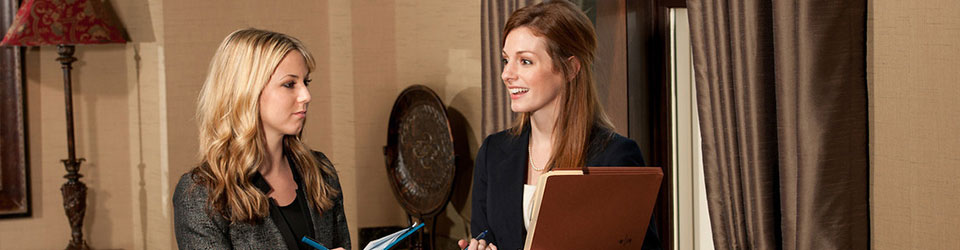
(197, 229)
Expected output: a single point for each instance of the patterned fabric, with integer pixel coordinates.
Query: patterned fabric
(55, 22)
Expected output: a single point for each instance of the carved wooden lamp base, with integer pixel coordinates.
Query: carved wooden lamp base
(74, 203)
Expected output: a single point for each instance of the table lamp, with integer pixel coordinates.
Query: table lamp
(65, 23)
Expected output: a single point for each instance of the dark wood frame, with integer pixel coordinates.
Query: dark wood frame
(14, 171)
(649, 97)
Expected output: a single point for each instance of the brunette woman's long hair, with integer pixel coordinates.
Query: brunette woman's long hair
(568, 33)
(232, 141)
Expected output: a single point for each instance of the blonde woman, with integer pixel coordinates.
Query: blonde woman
(257, 185)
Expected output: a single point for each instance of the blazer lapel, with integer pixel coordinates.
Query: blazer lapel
(512, 170)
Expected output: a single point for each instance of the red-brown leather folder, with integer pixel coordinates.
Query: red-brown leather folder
(597, 208)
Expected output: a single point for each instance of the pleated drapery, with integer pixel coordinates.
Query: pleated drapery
(782, 98)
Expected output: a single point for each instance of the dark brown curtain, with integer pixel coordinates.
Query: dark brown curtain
(496, 103)
(782, 95)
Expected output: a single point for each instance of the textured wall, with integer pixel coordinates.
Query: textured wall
(914, 54)
(135, 105)
(100, 107)
(102, 91)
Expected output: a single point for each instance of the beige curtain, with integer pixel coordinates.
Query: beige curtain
(496, 103)
(783, 113)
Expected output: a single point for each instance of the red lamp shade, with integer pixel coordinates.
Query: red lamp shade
(63, 22)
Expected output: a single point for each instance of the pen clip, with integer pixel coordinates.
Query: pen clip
(478, 238)
(482, 235)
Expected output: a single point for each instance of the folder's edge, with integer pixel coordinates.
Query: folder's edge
(538, 196)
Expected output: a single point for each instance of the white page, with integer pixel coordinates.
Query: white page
(382, 243)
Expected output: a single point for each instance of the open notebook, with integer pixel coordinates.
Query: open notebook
(598, 208)
(388, 241)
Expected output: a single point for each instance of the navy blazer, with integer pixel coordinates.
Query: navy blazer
(500, 172)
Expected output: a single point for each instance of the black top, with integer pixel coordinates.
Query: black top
(500, 172)
(293, 220)
(297, 218)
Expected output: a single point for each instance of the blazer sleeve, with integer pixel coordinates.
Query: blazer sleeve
(478, 219)
(341, 232)
(619, 151)
(194, 227)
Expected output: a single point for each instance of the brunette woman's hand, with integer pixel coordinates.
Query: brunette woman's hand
(474, 244)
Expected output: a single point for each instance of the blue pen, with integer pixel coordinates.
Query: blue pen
(313, 243)
(479, 237)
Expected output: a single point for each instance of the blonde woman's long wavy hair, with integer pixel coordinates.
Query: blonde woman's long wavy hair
(568, 33)
(232, 141)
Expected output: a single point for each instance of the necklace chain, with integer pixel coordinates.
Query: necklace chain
(530, 157)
